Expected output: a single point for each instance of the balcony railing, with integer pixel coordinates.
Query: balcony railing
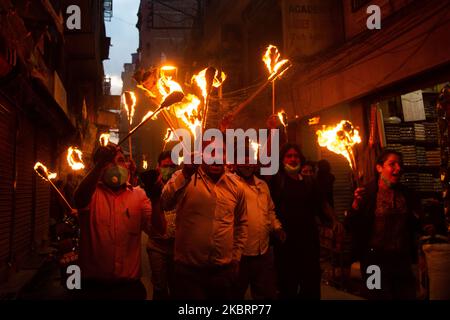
(107, 10)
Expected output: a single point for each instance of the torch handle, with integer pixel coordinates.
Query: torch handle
(258, 91)
(249, 99)
(273, 97)
(129, 142)
(169, 123)
(61, 195)
(138, 126)
(355, 170)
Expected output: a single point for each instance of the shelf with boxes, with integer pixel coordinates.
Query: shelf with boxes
(419, 143)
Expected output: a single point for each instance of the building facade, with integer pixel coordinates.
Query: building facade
(51, 97)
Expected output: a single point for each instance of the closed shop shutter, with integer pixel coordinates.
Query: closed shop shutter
(7, 134)
(342, 190)
(24, 190)
(42, 206)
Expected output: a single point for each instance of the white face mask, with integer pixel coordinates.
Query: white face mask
(291, 170)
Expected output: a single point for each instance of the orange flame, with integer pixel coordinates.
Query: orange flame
(168, 69)
(159, 83)
(340, 139)
(129, 102)
(271, 58)
(74, 158)
(169, 135)
(148, 115)
(200, 80)
(313, 121)
(166, 85)
(104, 139)
(144, 164)
(283, 118)
(187, 111)
(42, 171)
(255, 147)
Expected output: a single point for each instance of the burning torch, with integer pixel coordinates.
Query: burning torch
(162, 88)
(282, 116)
(43, 172)
(171, 99)
(159, 85)
(276, 71)
(341, 139)
(74, 158)
(272, 60)
(206, 80)
(104, 139)
(129, 102)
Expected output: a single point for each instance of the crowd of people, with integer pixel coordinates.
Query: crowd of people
(216, 231)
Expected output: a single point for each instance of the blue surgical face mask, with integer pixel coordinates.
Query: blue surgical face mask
(291, 170)
(115, 176)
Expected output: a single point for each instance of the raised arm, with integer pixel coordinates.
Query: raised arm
(174, 189)
(86, 189)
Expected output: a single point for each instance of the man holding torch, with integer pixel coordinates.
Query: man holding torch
(112, 214)
(211, 230)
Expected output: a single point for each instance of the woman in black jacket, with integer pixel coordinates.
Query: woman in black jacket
(383, 221)
(298, 203)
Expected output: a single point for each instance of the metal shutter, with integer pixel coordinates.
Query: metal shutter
(7, 134)
(24, 190)
(42, 204)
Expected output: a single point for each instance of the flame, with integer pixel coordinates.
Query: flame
(165, 84)
(169, 135)
(200, 80)
(104, 139)
(255, 147)
(283, 118)
(340, 139)
(313, 121)
(159, 83)
(271, 58)
(168, 68)
(129, 102)
(148, 115)
(42, 171)
(149, 92)
(187, 111)
(144, 164)
(74, 158)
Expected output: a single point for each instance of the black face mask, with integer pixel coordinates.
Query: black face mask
(245, 172)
